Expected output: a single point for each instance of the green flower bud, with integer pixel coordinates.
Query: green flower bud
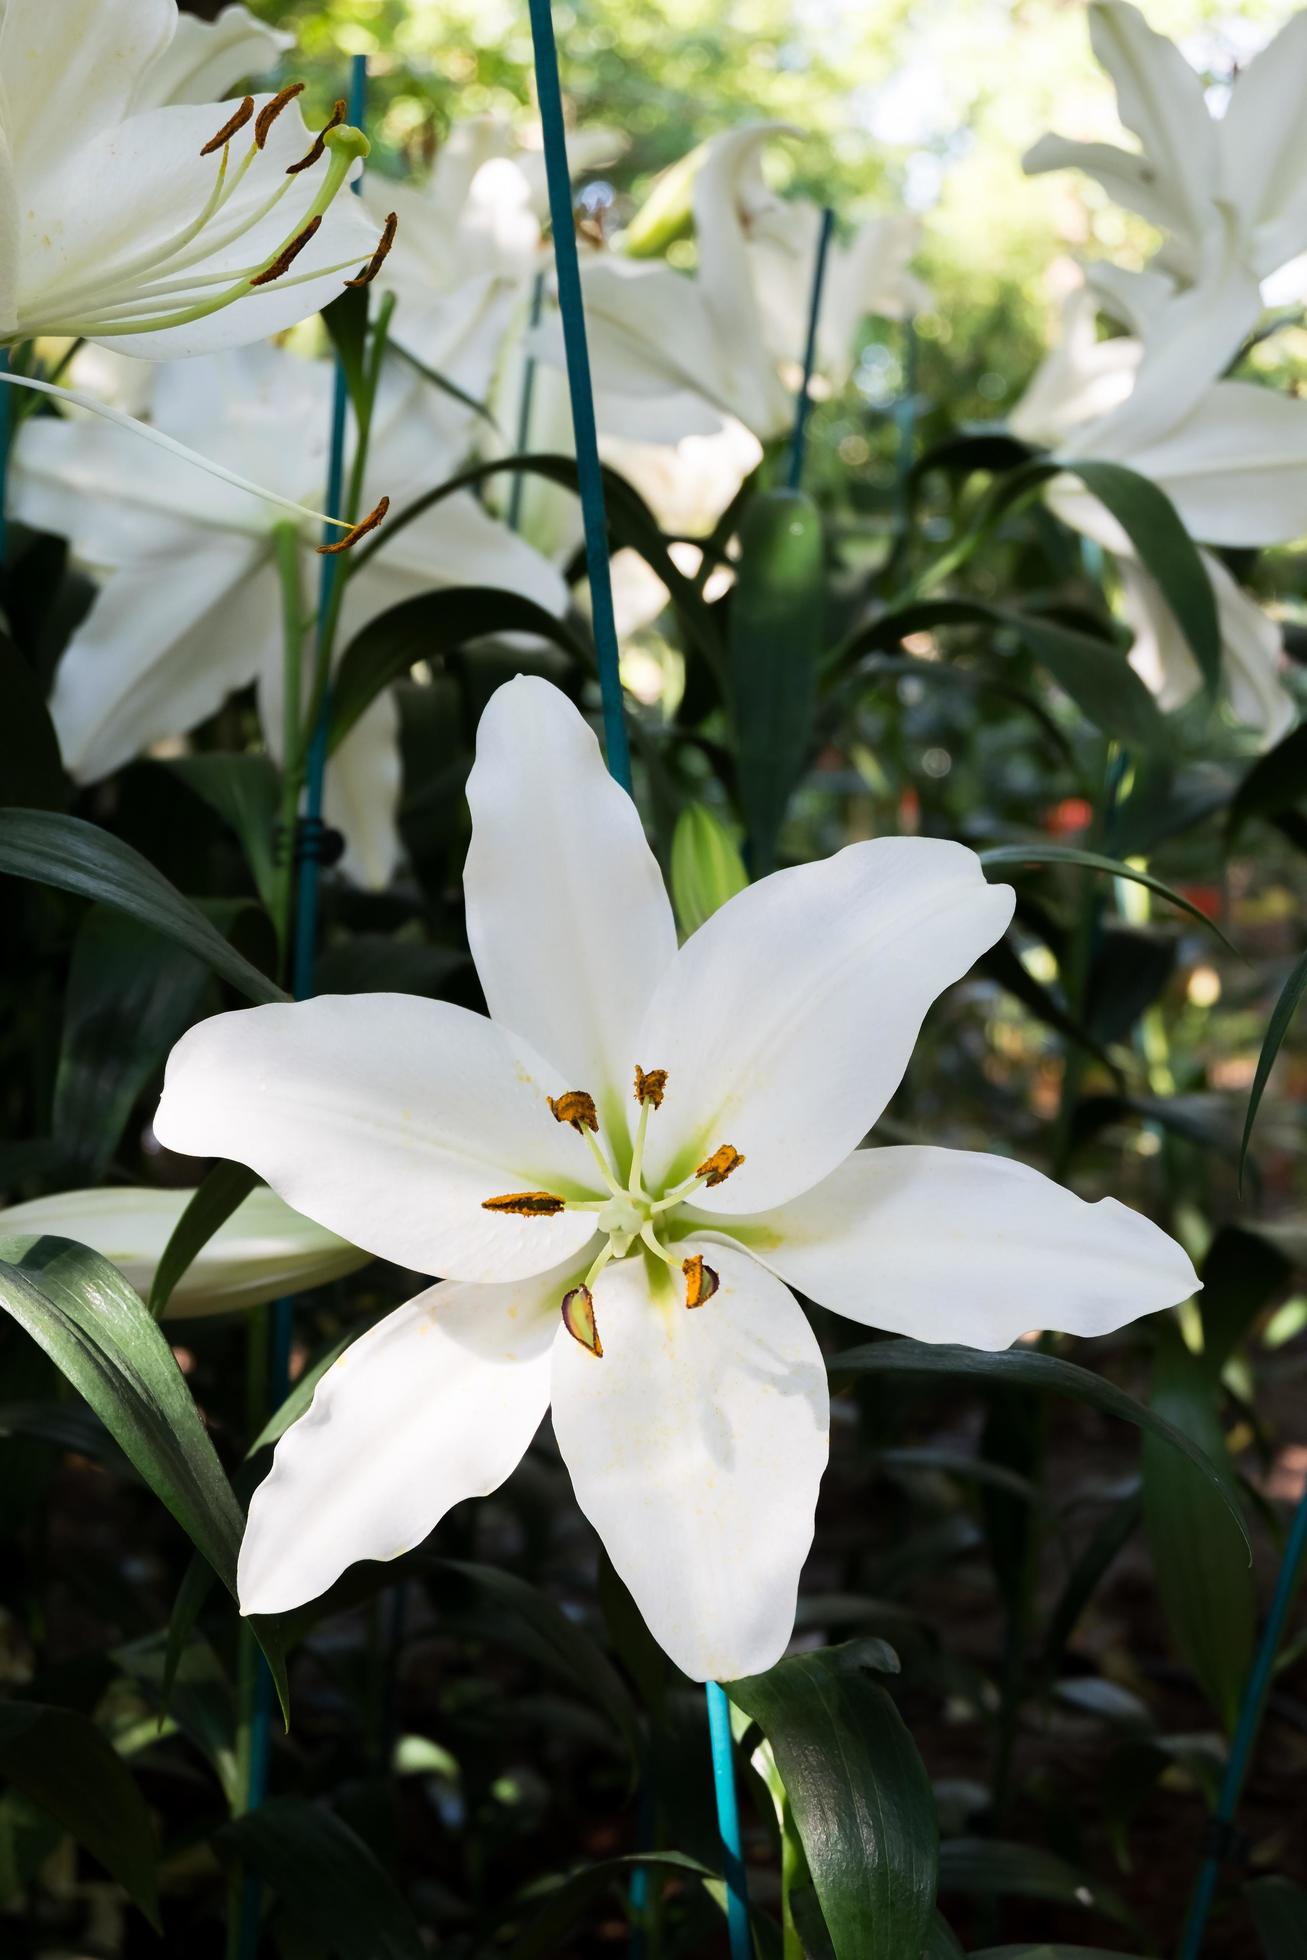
(707, 868)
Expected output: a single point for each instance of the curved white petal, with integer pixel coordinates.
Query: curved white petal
(567, 917)
(787, 1020)
(1128, 178)
(166, 640)
(361, 795)
(1161, 99)
(1236, 466)
(71, 70)
(1263, 145)
(1252, 649)
(696, 1446)
(208, 57)
(954, 1245)
(436, 1403)
(389, 1119)
(261, 1252)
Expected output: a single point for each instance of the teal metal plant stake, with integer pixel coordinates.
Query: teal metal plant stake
(803, 401)
(591, 485)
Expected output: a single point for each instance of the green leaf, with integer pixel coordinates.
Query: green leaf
(427, 628)
(1023, 854)
(990, 1868)
(327, 1880)
(80, 1310)
(775, 642)
(1059, 1952)
(1163, 546)
(60, 1761)
(224, 1188)
(1276, 1028)
(549, 1910)
(130, 996)
(31, 771)
(1279, 1911)
(245, 790)
(346, 321)
(1110, 1537)
(706, 866)
(1204, 1581)
(860, 1796)
(1276, 781)
(78, 857)
(1241, 1275)
(1027, 1368)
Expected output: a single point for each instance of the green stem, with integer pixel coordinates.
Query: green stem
(287, 539)
(247, 1652)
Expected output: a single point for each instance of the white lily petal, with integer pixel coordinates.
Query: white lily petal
(10, 229)
(361, 795)
(149, 661)
(1263, 143)
(72, 70)
(1236, 466)
(1252, 649)
(264, 1250)
(390, 1119)
(436, 1403)
(1128, 178)
(207, 58)
(787, 1021)
(1161, 99)
(567, 917)
(954, 1245)
(1080, 380)
(696, 1446)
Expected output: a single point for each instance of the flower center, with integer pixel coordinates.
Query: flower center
(630, 1216)
(160, 288)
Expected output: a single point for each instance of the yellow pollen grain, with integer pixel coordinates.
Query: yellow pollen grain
(717, 1168)
(701, 1282)
(650, 1085)
(577, 1107)
(526, 1204)
(579, 1320)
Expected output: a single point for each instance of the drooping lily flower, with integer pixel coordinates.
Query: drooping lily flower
(263, 1251)
(1231, 456)
(1252, 160)
(672, 354)
(167, 230)
(619, 1176)
(190, 607)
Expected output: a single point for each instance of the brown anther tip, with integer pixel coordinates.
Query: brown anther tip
(378, 259)
(576, 1107)
(369, 523)
(319, 144)
(717, 1168)
(270, 111)
(526, 1204)
(701, 1282)
(579, 1320)
(285, 260)
(230, 128)
(650, 1085)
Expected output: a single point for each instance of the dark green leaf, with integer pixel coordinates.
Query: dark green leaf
(327, 1880)
(992, 1868)
(1111, 1536)
(31, 772)
(775, 641)
(245, 790)
(1022, 854)
(80, 1310)
(549, 1910)
(1058, 1952)
(1026, 1368)
(860, 1797)
(224, 1188)
(130, 996)
(78, 857)
(1279, 1911)
(1203, 1578)
(1276, 781)
(429, 627)
(346, 320)
(1241, 1275)
(1276, 1028)
(60, 1761)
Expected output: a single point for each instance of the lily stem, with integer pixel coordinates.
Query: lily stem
(292, 767)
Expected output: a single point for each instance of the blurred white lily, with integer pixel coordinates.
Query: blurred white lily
(673, 354)
(1252, 159)
(1231, 456)
(205, 59)
(170, 229)
(628, 1259)
(190, 607)
(262, 1251)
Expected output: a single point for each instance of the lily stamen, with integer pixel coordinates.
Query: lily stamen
(379, 257)
(717, 1168)
(230, 128)
(270, 111)
(701, 1281)
(319, 142)
(650, 1087)
(527, 1204)
(577, 1107)
(284, 260)
(579, 1319)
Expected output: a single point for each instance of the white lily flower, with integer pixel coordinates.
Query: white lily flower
(206, 58)
(190, 606)
(628, 1260)
(1252, 160)
(264, 1250)
(168, 230)
(1231, 456)
(673, 355)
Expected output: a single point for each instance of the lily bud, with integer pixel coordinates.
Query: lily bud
(707, 868)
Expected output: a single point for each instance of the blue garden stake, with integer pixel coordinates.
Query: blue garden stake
(1245, 1735)
(524, 408)
(799, 439)
(590, 480)
(304, 940)
(591, 485)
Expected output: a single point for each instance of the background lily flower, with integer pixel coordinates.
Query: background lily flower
(130, 224)
(190, 606)
(627, 1258)
(262, 1251)
(1252, 160)
(1231, 456)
